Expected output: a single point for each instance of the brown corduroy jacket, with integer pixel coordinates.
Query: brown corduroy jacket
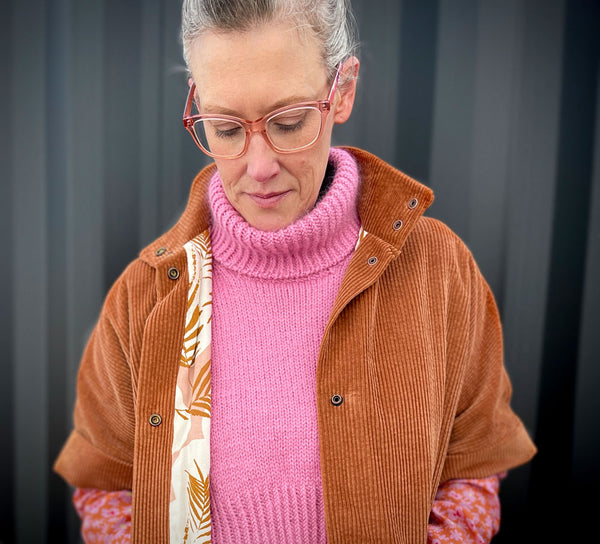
(413, 345)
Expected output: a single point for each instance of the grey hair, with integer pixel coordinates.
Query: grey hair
(331, 21)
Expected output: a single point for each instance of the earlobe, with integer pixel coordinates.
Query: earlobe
(347, 90)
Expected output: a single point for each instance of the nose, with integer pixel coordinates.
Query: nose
(262, 161)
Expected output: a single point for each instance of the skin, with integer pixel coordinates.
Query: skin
(249, 74)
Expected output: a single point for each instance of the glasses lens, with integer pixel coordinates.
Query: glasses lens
(221, 137)
(295, 128)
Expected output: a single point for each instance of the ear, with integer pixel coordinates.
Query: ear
(346, 91)
(190, 81)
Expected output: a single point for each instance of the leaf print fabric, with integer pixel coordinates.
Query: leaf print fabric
(198, 527)
(189, 509)
(465, 512)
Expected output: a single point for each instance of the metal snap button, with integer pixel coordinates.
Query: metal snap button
(412, 204)
(155, 420)
(372, 261)
(397, 224)
(336, 400)
(173, 273)
(161, 251)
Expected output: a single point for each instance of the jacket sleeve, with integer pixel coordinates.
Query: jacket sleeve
(487, 437)
(99, 451)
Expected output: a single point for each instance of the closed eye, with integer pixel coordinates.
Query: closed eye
(225, 129)
(289, 122)
(227, 133)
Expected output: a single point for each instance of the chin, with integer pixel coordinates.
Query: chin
(268, 222)
(269, 225)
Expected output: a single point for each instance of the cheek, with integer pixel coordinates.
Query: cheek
(306, 172)
(315, 169)
(230, 173)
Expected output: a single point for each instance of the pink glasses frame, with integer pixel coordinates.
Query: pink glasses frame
(258, 125)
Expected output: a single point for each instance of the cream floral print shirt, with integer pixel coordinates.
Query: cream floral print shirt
(190, 505)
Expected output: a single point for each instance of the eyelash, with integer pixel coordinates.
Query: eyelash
(290, 128)
(229, 133)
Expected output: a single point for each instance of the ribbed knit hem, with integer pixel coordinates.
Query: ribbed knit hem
(315, 242)
(270, 516)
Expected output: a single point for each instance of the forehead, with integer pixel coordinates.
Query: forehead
(256, 68)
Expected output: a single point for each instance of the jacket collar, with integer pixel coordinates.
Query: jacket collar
(194, 220)
(390, 204)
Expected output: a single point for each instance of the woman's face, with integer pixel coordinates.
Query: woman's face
(250, 74)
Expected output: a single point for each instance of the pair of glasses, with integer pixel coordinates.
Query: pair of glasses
(287, 130)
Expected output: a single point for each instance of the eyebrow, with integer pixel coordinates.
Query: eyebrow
(289, 101)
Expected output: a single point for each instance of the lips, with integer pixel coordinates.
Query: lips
(268, 195)
(267, 200)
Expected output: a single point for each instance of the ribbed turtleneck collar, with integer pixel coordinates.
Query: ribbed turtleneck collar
(320, 239)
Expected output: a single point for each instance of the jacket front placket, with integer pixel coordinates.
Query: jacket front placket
(159, 364)
(340, 374)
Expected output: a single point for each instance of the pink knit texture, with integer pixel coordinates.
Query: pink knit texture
(272, 294)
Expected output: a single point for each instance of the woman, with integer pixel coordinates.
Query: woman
(330, 356)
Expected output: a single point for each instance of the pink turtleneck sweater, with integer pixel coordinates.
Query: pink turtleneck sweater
(272, 294)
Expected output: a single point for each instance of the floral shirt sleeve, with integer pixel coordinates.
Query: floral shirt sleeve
(105, 515)
(465, 511)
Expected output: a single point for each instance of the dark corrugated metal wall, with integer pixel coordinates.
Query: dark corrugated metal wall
(493, 103)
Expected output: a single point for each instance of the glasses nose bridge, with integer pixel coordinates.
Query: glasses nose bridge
(253, 127)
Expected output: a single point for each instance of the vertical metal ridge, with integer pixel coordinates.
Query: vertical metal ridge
(556, 405)
(29, 266)
(417, 58)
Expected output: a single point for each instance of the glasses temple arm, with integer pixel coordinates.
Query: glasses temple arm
(335, 82)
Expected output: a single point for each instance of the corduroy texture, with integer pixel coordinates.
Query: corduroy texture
(413, 344)
(272, 295)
